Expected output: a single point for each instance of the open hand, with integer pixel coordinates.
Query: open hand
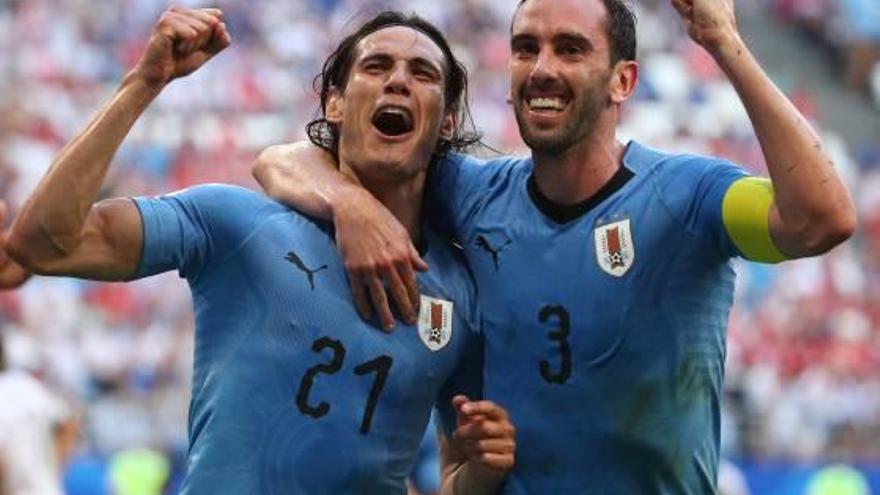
(378, 253)
(182, 41)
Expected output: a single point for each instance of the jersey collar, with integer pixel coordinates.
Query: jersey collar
(560, 213)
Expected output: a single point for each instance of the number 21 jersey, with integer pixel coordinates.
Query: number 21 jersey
(292, 392)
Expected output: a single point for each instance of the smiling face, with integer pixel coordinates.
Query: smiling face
(560, 70)
(391, 112)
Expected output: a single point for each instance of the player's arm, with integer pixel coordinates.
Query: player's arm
(66, 436)
(3, 476)
(12, 274)
(61, 230)
(376, 247)
(480, 452)
(806, 210)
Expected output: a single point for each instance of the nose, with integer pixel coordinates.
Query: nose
(544, 69)
(399, 80)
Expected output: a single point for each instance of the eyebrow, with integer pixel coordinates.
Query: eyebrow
(520, 38)
(575, 38)
(421, 62)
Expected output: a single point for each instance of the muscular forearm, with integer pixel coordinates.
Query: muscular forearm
(306, 176)
(813, 210)
(51, 222)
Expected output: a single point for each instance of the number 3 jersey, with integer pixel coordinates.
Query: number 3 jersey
(293, 393)
(604, 322)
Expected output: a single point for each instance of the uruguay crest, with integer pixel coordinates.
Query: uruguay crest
(435, 322)
(614, 247)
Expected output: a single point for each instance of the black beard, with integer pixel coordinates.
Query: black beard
(590, 103)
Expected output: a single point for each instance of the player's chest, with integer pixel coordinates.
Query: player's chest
(603, 249)
(569, 291)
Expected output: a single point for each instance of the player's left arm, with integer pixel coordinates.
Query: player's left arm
(481, 450)
(806, 210)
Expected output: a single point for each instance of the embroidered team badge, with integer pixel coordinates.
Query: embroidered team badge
(614, 247)
(435, 322)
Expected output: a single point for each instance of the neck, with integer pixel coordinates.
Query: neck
(578, 172)
(402, 197)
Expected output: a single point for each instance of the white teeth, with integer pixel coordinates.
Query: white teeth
(546, 104)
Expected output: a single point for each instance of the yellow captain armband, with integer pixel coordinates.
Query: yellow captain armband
(745, 211)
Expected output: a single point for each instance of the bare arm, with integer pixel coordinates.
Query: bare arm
(481, 452)
(12, 274)
(66, 435)
(812, 211)
(60, 230)
(376, 247)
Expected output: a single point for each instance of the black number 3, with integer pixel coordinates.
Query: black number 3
(381, 365)
(560, 335)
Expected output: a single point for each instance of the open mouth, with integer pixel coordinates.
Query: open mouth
(546, 103)
(393, 121)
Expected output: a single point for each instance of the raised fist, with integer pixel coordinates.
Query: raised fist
(710, 23)
(182, 41)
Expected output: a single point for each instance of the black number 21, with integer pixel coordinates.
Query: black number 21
(561, 335)
(381, 365)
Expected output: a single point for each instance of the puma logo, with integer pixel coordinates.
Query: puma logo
(483, 243)
(297, 262)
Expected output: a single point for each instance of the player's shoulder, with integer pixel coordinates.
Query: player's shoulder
(641, 158)
(25, 388)
(485, 171)
(680, 174)
(225, 196)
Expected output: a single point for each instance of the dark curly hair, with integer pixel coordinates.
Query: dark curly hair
(336, 69)
(621, 29)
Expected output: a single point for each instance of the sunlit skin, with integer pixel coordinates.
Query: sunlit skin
(395, 66)
(566, 93)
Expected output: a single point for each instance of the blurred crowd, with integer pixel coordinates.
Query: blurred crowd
(848, 29)
(803, 364)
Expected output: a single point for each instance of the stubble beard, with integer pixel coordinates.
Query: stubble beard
(590, 103)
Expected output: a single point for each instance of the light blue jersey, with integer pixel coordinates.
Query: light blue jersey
(604, 322)
(292, 392)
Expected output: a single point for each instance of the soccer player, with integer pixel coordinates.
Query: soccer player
(291, 392)
(603, 269)
(37, 433)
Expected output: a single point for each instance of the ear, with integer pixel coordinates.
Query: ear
(509, 97)
(335, 106)
(449, 125)
(624, 78)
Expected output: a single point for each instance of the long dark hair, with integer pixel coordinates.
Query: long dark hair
(336, 69)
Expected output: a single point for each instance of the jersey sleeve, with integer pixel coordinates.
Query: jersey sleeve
(722, 203)
(188, 229)
(456, 188)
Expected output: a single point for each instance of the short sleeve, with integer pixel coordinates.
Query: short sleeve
(694, 189)
(188, 229)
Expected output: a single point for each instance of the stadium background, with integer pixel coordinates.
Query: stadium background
(803, 364)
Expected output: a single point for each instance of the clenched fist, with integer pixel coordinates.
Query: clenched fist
(181, 41)
(710, 23)
(485, 435)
